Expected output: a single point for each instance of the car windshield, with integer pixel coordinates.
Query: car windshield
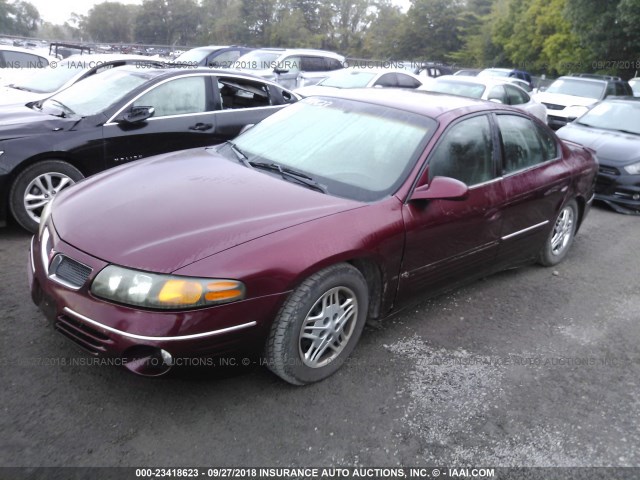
(464, 89)
(97, 93)
(578, 88)
(350, 79)
(258, 60)
(356, 149)
(195, 55)
(623, 116)
(50, 79)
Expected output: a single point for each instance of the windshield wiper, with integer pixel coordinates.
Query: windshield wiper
(239, 153)
(290, 174)
(18, 87)
(66, 111)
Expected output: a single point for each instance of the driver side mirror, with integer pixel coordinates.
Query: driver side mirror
(441, 188)
(137, 115)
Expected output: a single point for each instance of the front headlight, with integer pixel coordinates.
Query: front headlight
(575, 111)
(44, 217)
(170, 292)
(633, 169)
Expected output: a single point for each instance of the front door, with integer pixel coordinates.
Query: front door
(183, 119)
(447, 241)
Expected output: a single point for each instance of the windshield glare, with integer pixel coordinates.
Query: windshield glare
(357, 150)
(577, 88)
(51, 79)
(97, 93)
(350, 79)
(614, 116)
(464, 89)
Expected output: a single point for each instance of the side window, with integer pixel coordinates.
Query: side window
(333, 64)
(498, 93)
(23, 60)
(516, 96)
(224, 59)
(387, 80)
(611, 89)
(292, 64)
(620, 90)
(524, 144)
(313, 64)
(176, 97)
(406, 81)
(242, 93)
(465, 152)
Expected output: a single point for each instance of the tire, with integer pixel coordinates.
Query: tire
(301, 356)
(36, 186)
(561, 236)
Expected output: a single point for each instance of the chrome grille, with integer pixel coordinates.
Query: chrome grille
(608, 170)
(69, 272)
(553, 106)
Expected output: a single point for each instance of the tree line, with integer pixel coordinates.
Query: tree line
(542, 36)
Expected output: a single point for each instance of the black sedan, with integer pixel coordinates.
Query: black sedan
(121, 115)
(612, 129)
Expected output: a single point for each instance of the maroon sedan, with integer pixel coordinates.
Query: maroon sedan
(332, 211)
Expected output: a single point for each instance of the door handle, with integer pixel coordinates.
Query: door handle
(201, 126)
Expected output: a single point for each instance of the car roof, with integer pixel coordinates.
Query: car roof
(582, 79)
(308, 51)
(429, 104)
(486, 81)
(27, 50)
(108, 57)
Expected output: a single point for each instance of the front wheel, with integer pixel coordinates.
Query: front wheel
(319, 325)
(36, 186)
(561, 237)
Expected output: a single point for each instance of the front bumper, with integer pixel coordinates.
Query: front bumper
(618, 189)
(106, 329)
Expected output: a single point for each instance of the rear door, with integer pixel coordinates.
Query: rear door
(183, 119)
(536, 182)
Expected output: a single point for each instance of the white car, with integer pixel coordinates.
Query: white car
(16, 62)
(489, 88)
(362, 78)
(48, 81)
(291, 68)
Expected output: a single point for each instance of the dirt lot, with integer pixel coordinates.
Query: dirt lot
(531, 367)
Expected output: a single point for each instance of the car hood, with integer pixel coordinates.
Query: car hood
(612, 148)
(18, 121)
(562, 99)
(168, 211)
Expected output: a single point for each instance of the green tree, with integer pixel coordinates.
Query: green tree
(433, 29)
(110, 22)
(19, 18)
(168, 22)
(383, 38)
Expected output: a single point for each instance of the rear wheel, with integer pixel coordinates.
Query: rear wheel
(561, 237)
(38, 185)
(319, 325)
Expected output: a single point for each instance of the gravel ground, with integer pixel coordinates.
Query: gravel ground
(530, 367)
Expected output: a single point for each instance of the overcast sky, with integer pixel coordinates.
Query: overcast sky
(59, 11)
